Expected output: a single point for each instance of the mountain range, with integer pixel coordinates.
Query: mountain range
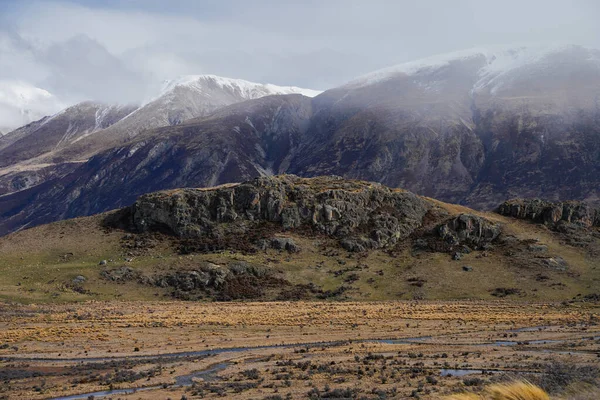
(475, 127)
(55, 145)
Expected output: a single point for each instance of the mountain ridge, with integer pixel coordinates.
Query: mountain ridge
(192, 96)
(537, 135)
(62, 141)
(249, 90)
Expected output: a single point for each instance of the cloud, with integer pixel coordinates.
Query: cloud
(120, 51)
(18, 59)
(81, 68)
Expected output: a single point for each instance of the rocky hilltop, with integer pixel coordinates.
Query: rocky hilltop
(552, 214)
(361, 215)
(577, 223)
(287, 237)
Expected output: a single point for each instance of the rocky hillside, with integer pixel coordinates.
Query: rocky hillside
(180, 100)
(362, 216)
(237, 143)
(286, 237)
(574, 221)
(475, 128)
(52, 146)
(573, 213)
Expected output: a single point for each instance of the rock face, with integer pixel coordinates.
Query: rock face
(576, 222)
(361, 214)
(237, 280)
(552, 214)
(469, 229)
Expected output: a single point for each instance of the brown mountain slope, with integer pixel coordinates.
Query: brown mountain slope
(59, 131)
(474, 127)
(240, 142)
(49, 148)
(23, 151)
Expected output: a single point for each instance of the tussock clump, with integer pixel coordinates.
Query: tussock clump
(509, 391)
(465, 396)
(517, 391)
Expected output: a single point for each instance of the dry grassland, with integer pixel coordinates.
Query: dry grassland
(366, 350)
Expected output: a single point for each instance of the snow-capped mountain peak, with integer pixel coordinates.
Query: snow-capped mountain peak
(494, 63)
(242, 88)
(22, 103)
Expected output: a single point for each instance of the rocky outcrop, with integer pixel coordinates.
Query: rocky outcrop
(575, 222)
(540, 211)
(281, 244)
(236, 280)
(361, 214)
(470, 230)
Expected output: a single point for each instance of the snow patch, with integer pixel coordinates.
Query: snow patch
(249, 122)
(496, 63)
(101, 114)
(135, 148)
(246, 89)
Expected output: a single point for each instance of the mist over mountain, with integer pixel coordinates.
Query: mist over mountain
(22, 103)
(475, 127)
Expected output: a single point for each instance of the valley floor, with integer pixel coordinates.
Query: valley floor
(272, 350)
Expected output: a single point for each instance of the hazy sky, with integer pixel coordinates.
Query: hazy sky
(121, 50)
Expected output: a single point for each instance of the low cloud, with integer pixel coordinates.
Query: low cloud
(121, 51)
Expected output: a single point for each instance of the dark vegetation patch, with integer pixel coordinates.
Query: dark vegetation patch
(595, 297)
(504, 292)
(416, 281)
(238, 280)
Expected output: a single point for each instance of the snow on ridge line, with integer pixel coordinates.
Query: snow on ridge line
(495, 60)
(248, 89)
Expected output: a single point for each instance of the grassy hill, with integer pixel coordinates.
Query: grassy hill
(94, 258)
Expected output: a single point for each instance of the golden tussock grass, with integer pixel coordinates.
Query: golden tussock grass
(510, 391)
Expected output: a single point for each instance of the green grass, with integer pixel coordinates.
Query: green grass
(33, 268)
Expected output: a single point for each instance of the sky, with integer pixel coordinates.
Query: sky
(122, 51)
